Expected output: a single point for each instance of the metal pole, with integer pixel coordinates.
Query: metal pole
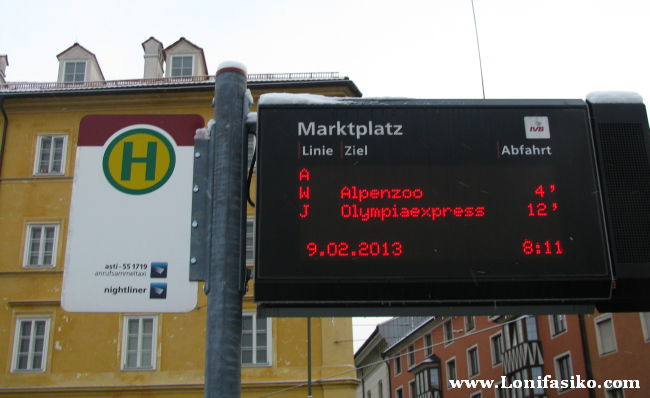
(308, 357)
(224, 308)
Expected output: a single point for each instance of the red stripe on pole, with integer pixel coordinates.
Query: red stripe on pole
(231, 70)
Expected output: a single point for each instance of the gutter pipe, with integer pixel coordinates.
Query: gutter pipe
(4, 131)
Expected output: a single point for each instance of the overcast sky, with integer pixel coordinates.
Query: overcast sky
(418, 49)
(405, 48)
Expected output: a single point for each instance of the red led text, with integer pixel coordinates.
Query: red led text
(541, 209)
(303, 192)
(361, 194)
(363, 249)
(541, 192)
(383, 213)
(548, 247)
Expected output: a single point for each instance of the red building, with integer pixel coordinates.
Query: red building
(619, 350)
(521, 356)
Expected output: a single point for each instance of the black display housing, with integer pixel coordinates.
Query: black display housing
(467, 203)
(622, 141)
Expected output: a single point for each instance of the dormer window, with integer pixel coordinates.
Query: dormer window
(182, 65)
(184, 59)
(78, 65)
(74, 72)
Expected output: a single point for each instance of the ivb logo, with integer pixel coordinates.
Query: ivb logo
(139, 161)
(537, 127)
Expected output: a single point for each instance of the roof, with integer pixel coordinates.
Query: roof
(429, 362)
(154, 39)
(394, 330)
(265, 80)
(73, 46)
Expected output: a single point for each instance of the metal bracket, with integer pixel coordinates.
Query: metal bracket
(244, 272)
(201, 213)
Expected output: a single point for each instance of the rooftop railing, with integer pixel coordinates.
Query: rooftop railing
(256, 77)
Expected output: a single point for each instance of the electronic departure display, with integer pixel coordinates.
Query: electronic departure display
(428, 202)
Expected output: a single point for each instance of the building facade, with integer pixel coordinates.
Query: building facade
(619, 349)
(519, 356)
(372, 370)
(51, 352)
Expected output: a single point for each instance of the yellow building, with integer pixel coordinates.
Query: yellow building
(50, 352)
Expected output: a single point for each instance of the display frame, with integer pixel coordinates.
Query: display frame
(282, 272)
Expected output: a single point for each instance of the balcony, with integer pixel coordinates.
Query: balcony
(524, 355)
(430, 394)
(427, 378)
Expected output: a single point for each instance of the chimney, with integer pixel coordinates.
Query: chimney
(153, 58)
(4, 62)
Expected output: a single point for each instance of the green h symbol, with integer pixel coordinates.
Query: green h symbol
(149, 161)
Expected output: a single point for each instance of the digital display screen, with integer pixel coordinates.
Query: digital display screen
(497, 198)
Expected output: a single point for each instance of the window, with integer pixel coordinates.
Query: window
(645, 325)
(434, 378)
(496, 345)
(182, 65)
(514, 334)
(40, 245)
(250, 241)
(519, 392)
(255, 340)
(50, 158)
(476, 395)
(428, 345)
(472, 361)
(368, 395)
(74, 72)
(605, 334)
(411, 355)
(470, 324)
(139, 342)
(421, 383)
(614, 393)
(448, 330)
(500, 392)
(412, 389)
(30, 345)
(558, 324)
(537, 374)
(531, 329)
(399, 393)
(451, 371)
(563, 368)
(398, 365)
(380, 389)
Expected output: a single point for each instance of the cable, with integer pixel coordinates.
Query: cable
(250, 170)
(396, 356)
(479, 50)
